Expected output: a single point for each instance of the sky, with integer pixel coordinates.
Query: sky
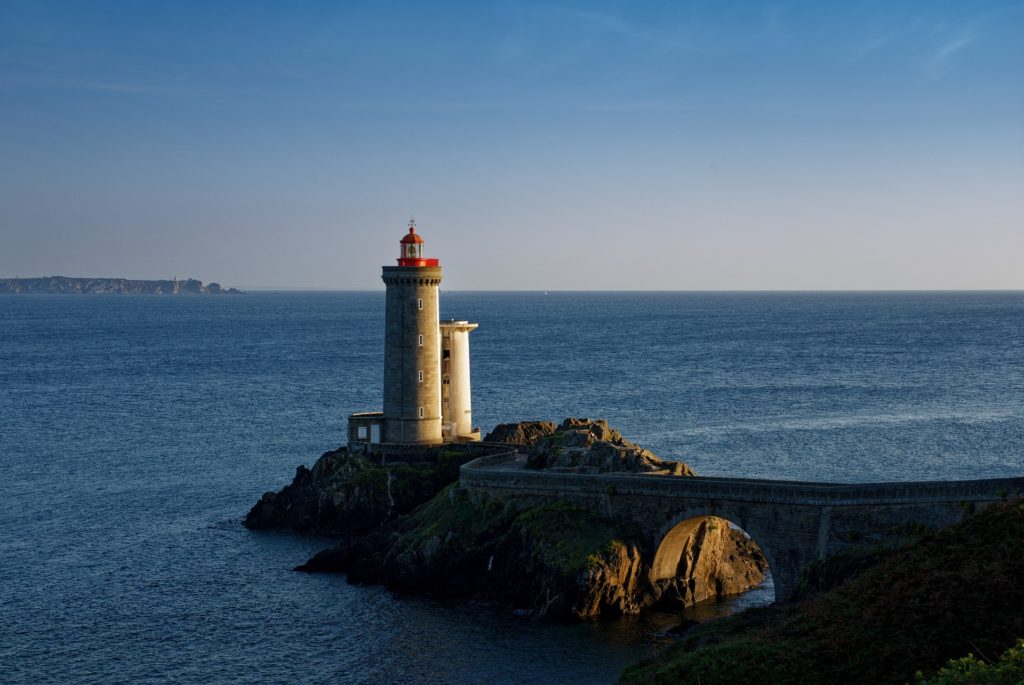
(540, 146)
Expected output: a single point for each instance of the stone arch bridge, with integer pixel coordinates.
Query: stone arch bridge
(794, 523)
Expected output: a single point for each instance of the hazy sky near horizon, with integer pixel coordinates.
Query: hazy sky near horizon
(573, 145)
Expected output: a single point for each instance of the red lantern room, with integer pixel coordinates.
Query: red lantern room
(412, 249)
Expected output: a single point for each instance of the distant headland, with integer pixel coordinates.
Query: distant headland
(65, 285)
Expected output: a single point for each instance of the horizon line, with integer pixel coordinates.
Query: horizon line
(260, 288)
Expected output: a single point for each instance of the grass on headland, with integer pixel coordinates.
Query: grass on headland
(954, 592)
(572, 539)
(565, 537)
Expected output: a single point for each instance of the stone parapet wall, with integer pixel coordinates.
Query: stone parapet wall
(746, 490)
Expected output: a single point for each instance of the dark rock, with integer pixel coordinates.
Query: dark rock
(350, 494)
(331, 560)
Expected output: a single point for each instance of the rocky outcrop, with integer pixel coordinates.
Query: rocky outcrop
(342, 493)
(408, 525)
(64, 285)
(716, 560)
(349, 494)
(585, 446)
(552, 560)
(522, 433)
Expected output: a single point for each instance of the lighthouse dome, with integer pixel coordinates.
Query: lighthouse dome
(411, 237)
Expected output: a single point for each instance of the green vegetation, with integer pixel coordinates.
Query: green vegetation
(451, 513)
(952, 592)
(969, 670)
(412, 482)
(372, 478)
(533, 558)
(571, 539)
(565, 538)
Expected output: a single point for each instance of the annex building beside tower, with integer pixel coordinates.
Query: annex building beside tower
(427, 397)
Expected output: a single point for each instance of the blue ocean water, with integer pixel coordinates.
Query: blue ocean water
(136, 431)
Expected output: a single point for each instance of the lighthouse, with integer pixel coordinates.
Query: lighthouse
(426, 362)
(412, 346)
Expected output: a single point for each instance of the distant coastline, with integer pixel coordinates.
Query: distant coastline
(65, 285)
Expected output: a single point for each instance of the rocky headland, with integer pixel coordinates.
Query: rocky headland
(404, 522)
(946, 608)
(65, 285)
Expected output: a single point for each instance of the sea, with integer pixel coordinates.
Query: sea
(137, 431)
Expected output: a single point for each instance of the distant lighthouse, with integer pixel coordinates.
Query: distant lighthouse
(426, 362)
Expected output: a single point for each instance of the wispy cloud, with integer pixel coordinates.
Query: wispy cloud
(932, 46)
(126, 88)
(638, 107)
(665, 38)
(936, 65)
(871, 46)
(568, 104)
(15, 76)
(948, 43)
(586, 26)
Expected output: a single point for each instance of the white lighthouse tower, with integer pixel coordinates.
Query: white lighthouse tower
(456, 403)
(412, 347)
(426, 362)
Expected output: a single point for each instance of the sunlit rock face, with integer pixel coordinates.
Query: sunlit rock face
(714, 561)
(586, 446)
(614, 584)
(522, 433)
(709, 559)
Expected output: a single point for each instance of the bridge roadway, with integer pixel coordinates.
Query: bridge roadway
(794, 523)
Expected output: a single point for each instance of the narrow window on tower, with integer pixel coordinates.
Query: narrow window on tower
(421, 412)
(421, 376)
(421, 341)
(419, 304)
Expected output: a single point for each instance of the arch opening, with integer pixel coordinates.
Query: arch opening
(707, 557)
